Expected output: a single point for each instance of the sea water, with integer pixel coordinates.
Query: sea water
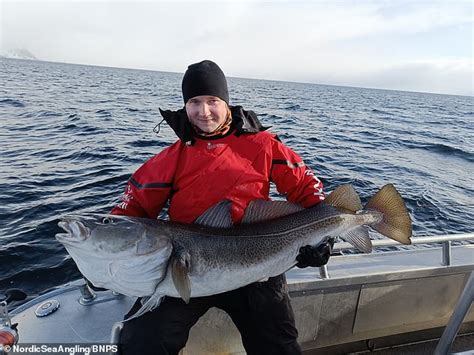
(71, 136)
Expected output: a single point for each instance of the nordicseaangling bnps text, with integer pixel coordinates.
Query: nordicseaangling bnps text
(71, 349)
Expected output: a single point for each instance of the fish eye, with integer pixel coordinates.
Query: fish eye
(107, 220)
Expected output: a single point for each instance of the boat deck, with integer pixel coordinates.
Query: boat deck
(462, 345)
(374, 301)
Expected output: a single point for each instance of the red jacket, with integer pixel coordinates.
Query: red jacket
(196, 177)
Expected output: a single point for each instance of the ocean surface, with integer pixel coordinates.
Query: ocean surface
(71, 136)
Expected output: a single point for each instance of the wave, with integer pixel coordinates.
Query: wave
(294, 107)
(381, 112)
(45, 113)
(11, 102)
(104, 113)
(146, 143)
(445, 150)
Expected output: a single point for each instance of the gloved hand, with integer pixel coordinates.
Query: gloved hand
(315, 256)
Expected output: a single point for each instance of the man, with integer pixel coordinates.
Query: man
(223, 152)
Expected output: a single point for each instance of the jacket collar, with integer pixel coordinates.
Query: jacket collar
(243, 121)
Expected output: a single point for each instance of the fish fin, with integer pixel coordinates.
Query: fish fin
(262, 210)
(180, 266)
(148, 304)
(396, 222)
(359, 238)
(344, 197)
(217, 216)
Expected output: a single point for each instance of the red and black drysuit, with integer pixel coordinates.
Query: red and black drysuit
(194, 174)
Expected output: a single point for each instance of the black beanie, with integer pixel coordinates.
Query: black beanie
(204, 78)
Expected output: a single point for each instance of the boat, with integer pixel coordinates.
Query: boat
(409, 300)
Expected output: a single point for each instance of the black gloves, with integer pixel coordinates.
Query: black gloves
(315, 256)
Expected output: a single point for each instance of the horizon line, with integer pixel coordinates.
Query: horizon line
(246, 78)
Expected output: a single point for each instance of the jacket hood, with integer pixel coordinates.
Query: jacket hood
(242, 120)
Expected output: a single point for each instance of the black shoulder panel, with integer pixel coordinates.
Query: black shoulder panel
(179, 122)
(246, 121)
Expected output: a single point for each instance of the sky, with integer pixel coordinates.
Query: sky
(416, 45)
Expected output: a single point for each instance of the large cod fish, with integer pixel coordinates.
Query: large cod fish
(149, 258)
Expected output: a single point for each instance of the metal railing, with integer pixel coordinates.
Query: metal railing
(445, 241)
(457, 317)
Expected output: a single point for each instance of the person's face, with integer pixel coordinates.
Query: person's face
(206, 112)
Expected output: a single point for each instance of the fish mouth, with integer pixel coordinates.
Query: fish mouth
(75, 230)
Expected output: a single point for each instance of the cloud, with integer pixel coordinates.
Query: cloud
(341, 42)
(439, 76)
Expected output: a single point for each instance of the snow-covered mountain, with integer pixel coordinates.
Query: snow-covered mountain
(18, 53)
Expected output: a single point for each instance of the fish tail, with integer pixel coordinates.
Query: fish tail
(346, 200)
(148, 304)
(396, 222)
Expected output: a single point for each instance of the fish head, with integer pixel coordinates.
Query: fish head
(125, 254)
(107, 233)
